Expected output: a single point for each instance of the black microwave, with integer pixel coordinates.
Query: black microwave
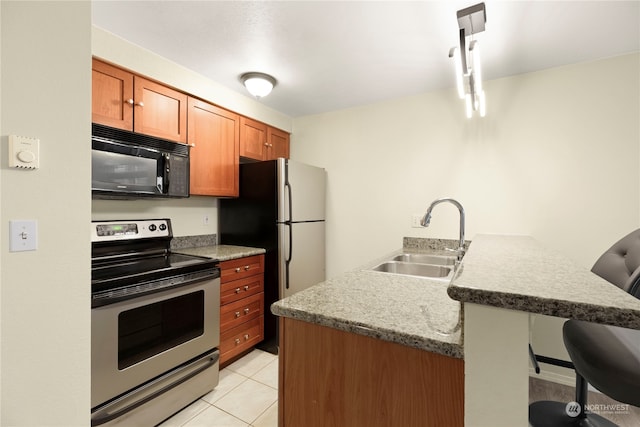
(130, 165)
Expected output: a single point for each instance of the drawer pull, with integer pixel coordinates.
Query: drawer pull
(246, 268)
(246, 336)
(246, 287)
(246, 311)
(237, 341)
(237, 269)
(237, 314)
(237, 290)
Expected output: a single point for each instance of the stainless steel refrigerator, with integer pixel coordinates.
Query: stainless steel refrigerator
(281, 208)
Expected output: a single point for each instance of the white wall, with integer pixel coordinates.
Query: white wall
(187, 215)
(555, 158)
(45, 312)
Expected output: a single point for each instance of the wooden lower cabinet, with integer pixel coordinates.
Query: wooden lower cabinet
(241, 306)
(329, 377)
(241, 338)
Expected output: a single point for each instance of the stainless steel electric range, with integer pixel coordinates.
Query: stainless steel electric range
(155, 324)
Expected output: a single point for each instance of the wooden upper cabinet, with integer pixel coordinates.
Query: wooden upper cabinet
(253, 138)
(112, 96)
(277, 144)
(126, 101)
(214, 134)
(261, 142)
(159, 110)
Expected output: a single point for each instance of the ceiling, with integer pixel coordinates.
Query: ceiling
(330, 55)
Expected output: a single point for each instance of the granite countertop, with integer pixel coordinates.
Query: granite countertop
(510, 272)
(517, 273)
(221, 252)
(408, 310)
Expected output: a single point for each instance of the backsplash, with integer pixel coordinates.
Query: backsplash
(183, 242)
(422, 243)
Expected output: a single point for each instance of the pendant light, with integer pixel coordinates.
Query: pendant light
(467, 64)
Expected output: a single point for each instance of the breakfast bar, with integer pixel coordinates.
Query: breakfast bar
(480, 318)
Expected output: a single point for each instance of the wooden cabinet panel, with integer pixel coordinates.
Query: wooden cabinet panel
(112, 96)
(241, 306)
(126, 101)
(214, 135)
(238, 289)
(277, 144)
(239, 312)
(261, 142)
(241, 268)
(159, 110)
(241, 338)
(253, 138)
(329, 377)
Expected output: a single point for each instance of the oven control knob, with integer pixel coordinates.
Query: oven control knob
(162, 227)
(152, 227)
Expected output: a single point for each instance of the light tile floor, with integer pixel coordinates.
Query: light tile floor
(246, 396)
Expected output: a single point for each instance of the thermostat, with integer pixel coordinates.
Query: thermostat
(24, 152)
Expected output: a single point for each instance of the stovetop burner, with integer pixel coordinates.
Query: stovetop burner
(131, 258)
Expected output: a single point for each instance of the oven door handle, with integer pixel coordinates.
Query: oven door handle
(131, 401)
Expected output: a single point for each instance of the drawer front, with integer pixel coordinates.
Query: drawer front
(241, 338)
(238, 289)
(240, 268)
(236, 313)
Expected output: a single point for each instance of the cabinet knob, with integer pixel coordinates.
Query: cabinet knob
(246, 268)
(246, 287)
(237, 290)
(237, 341)
(129, 101)
(140, 104)
(237, 269)
(237, 314)
(246, 311)
(246, 336)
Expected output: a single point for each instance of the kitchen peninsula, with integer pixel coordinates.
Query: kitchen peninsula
(372, 348)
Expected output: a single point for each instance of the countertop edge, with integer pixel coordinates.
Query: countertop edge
(613, 316)
(446, 349)
(222, 252)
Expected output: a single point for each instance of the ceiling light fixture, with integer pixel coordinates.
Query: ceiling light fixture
(258, 84)
(467, 64)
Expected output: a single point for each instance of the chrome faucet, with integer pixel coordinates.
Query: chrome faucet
(427, 219)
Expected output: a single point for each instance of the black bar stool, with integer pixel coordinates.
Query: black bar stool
(607, 357)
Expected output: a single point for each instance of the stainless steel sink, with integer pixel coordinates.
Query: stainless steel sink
(415, 269)
(426, 259)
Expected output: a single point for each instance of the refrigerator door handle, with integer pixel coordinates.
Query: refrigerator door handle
(288, 224)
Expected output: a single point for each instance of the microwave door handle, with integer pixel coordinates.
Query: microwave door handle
(166, 169)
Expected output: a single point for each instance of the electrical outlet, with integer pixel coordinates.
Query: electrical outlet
(415, 221)
(205, 219)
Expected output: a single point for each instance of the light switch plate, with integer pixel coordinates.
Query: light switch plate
(23, 235)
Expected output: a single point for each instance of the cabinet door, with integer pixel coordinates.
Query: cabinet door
(253, 139)
(214, 134)
(277, 144)
(112, 96)
(160, 111)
